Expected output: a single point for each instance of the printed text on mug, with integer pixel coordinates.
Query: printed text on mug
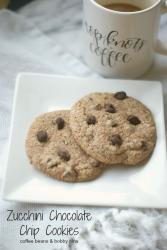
(110, 48)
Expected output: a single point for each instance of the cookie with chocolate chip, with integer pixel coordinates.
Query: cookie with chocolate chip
(113, 128)
(52, 149)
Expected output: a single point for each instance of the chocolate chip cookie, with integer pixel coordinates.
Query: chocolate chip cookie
(113, 128)
(52, 149)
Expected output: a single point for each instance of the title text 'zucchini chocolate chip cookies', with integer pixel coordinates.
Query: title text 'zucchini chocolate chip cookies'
(52, 149)
(113, 128)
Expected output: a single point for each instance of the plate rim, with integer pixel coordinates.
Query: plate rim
(21, 75)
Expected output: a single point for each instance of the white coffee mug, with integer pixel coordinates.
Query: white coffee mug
(122, 44)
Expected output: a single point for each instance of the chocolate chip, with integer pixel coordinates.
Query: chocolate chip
(42, 136)
(120, 95)
(59, 122)
(91, 120)
(115, 140)
(97, 164)
(64, 155)
(110, 108)
(134, 120)
(144, 145)
(114, 125)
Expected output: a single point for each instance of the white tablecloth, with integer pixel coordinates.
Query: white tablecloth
(40, 38)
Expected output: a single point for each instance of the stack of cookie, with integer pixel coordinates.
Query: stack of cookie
(100, 130)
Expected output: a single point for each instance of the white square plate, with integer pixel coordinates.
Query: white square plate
(143, 186)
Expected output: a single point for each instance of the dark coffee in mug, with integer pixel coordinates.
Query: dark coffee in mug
(123, 7)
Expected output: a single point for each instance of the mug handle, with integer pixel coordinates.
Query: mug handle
(161, 47)
(164, 7)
